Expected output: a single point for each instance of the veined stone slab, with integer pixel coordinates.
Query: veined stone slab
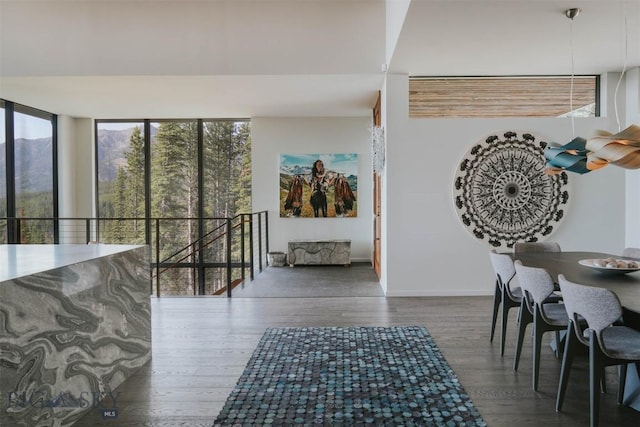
(71, 334)
(322, 252)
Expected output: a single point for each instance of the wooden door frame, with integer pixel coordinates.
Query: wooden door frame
(377, 199)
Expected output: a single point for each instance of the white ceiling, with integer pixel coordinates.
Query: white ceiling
(262, 58)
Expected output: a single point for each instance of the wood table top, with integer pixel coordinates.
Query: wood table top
(626, 286)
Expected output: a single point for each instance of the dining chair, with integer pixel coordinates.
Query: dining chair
(541, 307)
(506, 295)
(609, 342)
(521, 247)
(631, 253)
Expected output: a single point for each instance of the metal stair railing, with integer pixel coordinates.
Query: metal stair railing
(88, 230)
(196, 248)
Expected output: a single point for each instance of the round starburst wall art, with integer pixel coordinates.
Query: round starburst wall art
(503, 196)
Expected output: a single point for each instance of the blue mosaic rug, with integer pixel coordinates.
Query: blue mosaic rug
(356, 376)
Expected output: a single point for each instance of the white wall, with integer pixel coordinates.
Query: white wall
(271, 137)
(75, 175)
(426, 251)
(632, 110)
(396, 12)
(429, 252)
(76, 167)
(66, 167)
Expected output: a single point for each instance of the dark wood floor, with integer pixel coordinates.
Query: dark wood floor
(201, 345)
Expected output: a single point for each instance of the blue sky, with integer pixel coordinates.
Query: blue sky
(342, 163)
(28, 127)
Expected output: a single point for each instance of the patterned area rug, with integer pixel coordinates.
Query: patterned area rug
(354, 376)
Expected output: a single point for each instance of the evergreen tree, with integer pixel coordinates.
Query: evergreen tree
(135, 191)
(226, 173)
(119, 230)
(174, 191)
(242, 185)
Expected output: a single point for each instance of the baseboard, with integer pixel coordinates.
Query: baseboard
(439, 293)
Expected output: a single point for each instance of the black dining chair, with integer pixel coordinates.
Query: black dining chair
(506, 295)
(609, 342)
(541, 307)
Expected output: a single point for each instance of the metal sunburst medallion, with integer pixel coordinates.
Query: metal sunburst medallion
(502, 195)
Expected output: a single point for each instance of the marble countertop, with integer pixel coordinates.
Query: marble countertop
(23, 260)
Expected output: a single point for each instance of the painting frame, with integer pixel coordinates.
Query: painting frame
(318, 185)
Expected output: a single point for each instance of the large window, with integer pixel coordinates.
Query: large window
(169, 180)
(121, 181)
(3, 175)
(28, 168)
(226, 182)
(175, 194)
(527, 96)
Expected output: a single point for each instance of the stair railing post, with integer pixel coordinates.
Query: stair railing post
(251, 257)
(266, 230)
(242, 245)
(157, 257)
(200, 259)
(229, 257)
(260, 241)
(87, 230)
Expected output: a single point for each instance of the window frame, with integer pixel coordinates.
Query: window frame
(454, 96)
(10, 108)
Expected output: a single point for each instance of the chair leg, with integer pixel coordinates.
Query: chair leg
(524, 319)
(567, 361)
(497, 298)
(538, 332)
(622, 374)
(505, 315)
(558, 350)
(595, 376)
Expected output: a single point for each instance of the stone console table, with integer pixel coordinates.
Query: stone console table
(75, 322)
(319, 252)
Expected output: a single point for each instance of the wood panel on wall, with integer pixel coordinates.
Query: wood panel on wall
(377, 199)
(499, 96)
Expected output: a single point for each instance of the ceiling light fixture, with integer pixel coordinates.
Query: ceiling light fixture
(572, 13)
(582, 156)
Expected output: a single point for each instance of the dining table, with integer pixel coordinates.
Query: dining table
(625, 285)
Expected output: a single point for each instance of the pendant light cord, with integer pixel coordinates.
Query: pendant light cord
(571, 113)
(624, 68)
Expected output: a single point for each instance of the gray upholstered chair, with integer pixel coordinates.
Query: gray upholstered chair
(609, 342)
(631, 253)
(505, 294)
(521, 247)
(539, 306)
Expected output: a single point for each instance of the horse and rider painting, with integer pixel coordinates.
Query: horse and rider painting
(318, 185)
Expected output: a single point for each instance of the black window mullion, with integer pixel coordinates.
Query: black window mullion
(54, 171)
(147, 180)
(10, 172)
(597, 112)
(96, 188)
(201, 269)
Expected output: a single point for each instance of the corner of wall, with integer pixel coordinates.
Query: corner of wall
(76, 167)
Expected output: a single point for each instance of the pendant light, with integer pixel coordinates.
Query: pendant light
(581, 156)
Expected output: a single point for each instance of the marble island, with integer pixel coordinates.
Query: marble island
(75, 322)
